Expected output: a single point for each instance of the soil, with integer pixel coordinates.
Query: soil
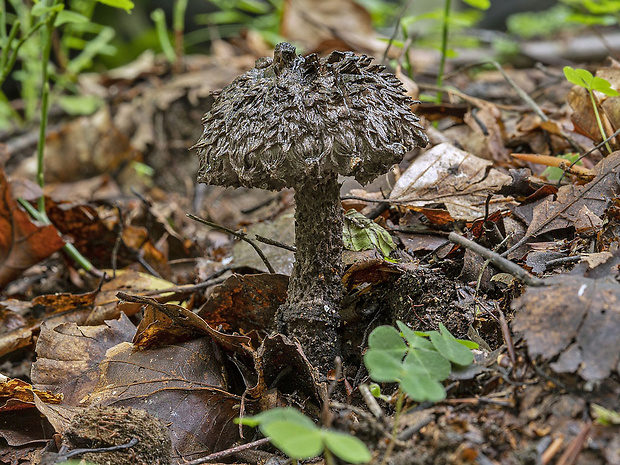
(108, 426)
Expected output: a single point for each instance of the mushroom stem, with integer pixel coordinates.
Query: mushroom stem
(311, 310)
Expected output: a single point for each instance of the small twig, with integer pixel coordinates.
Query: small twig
(496, 259)
(118, 241)
(364, 199)
(260, 205)
(409, 431)
(268, 241)
(238, 235)
(327, 417)
(573, 450)
(400, 400)
(581, 157)
(395, 32)
(510, 347)
(228, 452)
(76, 452)
(370, 401)
(562, 261)
(547, 456)
(185, 289)
(524, 240)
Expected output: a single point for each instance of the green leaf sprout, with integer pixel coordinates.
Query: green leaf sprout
(585, 79)
(299, 438)
(420, 364)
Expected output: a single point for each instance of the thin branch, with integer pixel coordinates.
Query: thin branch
(497, 260)
(238, 235)
(268, 241)
(228, 452)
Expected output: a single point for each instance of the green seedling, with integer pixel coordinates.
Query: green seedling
(446, 21)
(585, 79)
(445, 33)
(594, 12)
(417, 361)
(298, 437)
(361, 233)
(419, 364)
(232, 16)
(30, 40)
(605, 416)
(553, 173)
(159, 18)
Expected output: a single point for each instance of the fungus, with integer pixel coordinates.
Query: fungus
(299, 122)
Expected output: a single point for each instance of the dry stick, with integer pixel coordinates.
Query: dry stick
(75, 452)
(228, 452)
(573, 450)
(591, 185)
(510, 348)
(581, 157)
(370, 401)
(395, 32)
(496, 259)
(268, 241)
(238, 235)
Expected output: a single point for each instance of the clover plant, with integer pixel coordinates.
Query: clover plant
(298, 437)
(585, 79)
(417, 361)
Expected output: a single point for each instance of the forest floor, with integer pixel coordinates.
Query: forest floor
(190, 339)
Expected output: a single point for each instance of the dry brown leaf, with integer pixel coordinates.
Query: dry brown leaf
(16, 394)
(22, 242)
(19, 428)
(52, 309)
(576, 318)
(107, 305)
(567, 208)
(183, 385)
(69, 356)
(447, 175)
(84, 147)
(244, 303)
(168, 323)
(313, 22)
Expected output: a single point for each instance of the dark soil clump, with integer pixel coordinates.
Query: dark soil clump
(108, 426)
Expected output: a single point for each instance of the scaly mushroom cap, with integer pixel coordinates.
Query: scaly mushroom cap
(297, 117)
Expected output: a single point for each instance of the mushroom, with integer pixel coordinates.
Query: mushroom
(299, 122)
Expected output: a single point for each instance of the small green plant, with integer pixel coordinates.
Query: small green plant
(263, 16)
(555, 174)
(419, 364)
(479, 4)
(585, 79)
(594, 12)
(298, 437)
(417, 361)
(24, 33)
(173, 54)
(604, 416)
(565, 16)
(30, 39)
(540, 23)
(448, 21)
